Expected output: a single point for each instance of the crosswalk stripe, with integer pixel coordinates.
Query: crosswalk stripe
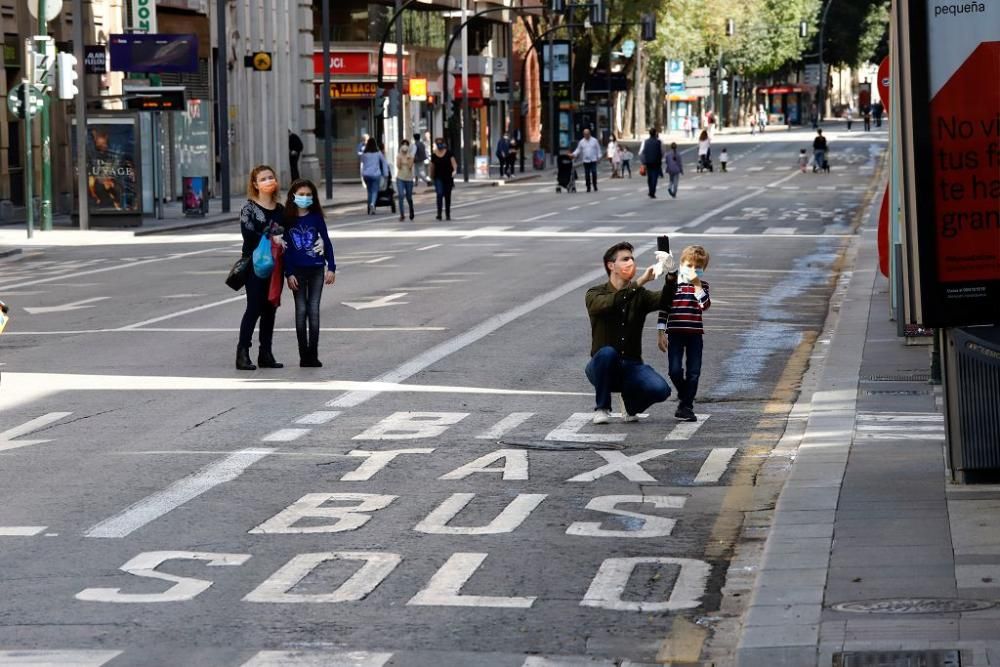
(721, 230)
(20, 531)
(780, 230)
(684, 430)
(715, 465)
(318, 659)
(604, 230)
(56, 658)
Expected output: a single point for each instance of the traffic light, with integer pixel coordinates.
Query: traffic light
(598, 13)
(395, 105)
(648, 29)
(66, 76)
(803, 29)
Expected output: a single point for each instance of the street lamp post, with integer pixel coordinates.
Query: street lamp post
(401, 5)
(821, 88)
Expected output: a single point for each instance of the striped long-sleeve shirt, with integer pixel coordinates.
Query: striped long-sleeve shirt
(685, 312)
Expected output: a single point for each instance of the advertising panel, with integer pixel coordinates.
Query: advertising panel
(559, 63)
(954, 216)
(112, 165)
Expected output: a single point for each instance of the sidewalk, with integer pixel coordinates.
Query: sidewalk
(346, 195)
(873, 557)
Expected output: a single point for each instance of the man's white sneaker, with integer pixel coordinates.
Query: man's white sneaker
(602, 416)
(626, 417)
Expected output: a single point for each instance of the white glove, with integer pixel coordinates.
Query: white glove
(665, 263)
(318, 247)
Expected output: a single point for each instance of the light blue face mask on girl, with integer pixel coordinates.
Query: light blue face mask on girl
(303, 201)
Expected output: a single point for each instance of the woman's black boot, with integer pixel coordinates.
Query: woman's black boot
(265, 359)
(243, 362)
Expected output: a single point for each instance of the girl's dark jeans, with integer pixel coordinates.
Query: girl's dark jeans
(307, 298)
(258, 308)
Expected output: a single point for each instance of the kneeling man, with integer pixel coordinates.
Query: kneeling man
(618, 312)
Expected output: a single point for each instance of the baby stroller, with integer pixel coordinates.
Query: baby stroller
(386, 196)
(705, 163)
(565, 174)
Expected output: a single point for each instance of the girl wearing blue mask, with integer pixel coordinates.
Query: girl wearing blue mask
(309, 264)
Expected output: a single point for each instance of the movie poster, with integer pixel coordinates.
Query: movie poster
(113, 185)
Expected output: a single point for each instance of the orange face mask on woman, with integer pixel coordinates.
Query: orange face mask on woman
(268, 188)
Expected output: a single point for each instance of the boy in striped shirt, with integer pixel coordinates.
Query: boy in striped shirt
(681, 329)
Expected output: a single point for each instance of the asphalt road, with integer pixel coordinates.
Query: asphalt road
(158, 507)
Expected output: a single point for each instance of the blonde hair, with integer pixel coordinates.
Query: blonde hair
(252, 191)
(695, 254)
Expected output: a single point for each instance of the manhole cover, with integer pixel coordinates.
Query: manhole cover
(914, 377)
(914, 606)
(898, 659)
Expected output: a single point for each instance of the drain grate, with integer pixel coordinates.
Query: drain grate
(914, 606)
(913, 377)
(898, 659)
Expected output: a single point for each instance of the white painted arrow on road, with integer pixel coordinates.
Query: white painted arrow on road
(75, 305)
(381, 302)
(38, 422)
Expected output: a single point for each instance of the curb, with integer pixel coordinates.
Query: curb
(9, 252)
(782, 621)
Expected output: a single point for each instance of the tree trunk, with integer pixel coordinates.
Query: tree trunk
(640, 103)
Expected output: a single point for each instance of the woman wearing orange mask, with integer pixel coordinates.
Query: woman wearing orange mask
(261, 215)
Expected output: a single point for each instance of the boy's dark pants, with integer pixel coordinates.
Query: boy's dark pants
(677, 345)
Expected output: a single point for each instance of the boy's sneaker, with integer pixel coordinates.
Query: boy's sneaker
(685, 414)
(626, 417)
(602, 416)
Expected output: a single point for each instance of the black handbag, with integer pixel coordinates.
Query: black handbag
(237, 277)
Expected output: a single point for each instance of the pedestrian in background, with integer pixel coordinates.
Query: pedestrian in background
(588, 151)
(694, 126)
(503, 153)
(404, 176)
(868, 118)
(260, 217)
(803, 160)
(420, 160)
(819, 151)
(512, 157)
(651, 158)
(675, 167)
(681, 329)
(686, 126)
(309, 264)
(617, 160)
(704, 151)
(612, 151)
(373, 169)
(627, 158)
(723, 160)
(443, 167)
(364, 143)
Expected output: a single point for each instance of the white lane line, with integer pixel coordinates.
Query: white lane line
(542, 216)
(548, 230)
(180, 313)
(285, 434)
(180, 492)
(572, 208)
(715, 465)
(505, 425)
(755, 168)
(308, 658)
(75, 274)
(594, 203)
(31, 426)
(318, 417)
(685, 430)
(429, 247)
(378, 259)
(721, 230)
(20, 531)
(57, 658)
(66, 307)
(780, 230)
(439, 352)
(219, 330)
(604, 230)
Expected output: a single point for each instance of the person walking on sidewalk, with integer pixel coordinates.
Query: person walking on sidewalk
(309, 263)
(681, 330)
(617, 311)
(651, 158)
(443, 167)
(627, 157)
(373, 169)
(675, 167)
(612, 151)
(295, 148)
(261, 216)
(420, 160)
(503, 153)
(588, 150)
(404, 176)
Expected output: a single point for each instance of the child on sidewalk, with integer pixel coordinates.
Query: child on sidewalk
(681, 329)
(803, 160)
(723, 159)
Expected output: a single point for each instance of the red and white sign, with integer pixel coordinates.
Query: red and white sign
(345, 63)
(964, 46)
(475, 87)
(884, 81)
